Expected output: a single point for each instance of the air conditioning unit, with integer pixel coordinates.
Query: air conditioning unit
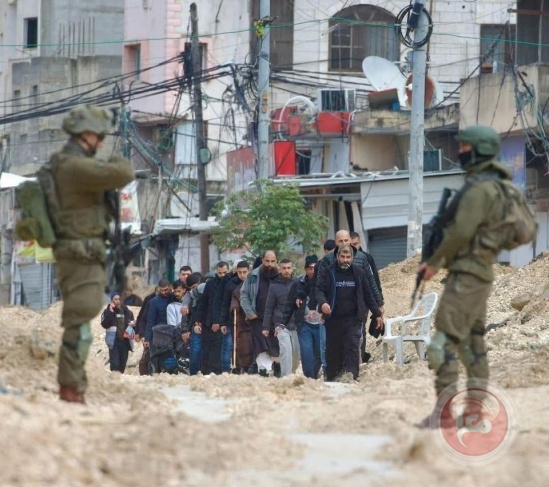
(432, 160)
(333, 100)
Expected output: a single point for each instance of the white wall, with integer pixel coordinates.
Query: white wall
(223, 25)
(385, 201)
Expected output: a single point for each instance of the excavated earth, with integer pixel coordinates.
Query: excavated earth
(233, 430)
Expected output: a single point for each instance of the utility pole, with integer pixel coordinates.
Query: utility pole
(264, 119)
(417, 140)
(125, 138)
(202, 153)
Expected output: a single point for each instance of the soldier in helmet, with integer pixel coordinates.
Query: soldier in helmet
(460, 318)
(80, 219)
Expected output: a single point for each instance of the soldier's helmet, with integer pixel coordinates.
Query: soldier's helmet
(89, 118)
(485, 140)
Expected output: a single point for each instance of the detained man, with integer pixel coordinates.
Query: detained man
(253, 298)
(344, 298)
(286, 333)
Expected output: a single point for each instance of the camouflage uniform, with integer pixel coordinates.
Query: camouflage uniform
(81, 224)
(461, 315)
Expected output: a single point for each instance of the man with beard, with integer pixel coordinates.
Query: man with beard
(226, 318)
(157, 313)
(359, 259)
(184, 272)
(253, 298)
(344, 298)
(242, 270)
(212, 338)
(173, 311)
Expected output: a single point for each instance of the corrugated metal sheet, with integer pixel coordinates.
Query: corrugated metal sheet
(385, 201)
(38, 288)
(387, 245)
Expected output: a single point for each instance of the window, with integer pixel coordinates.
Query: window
(31, 33)
(358, 32)
(16, 102)
(34, 98)
(281, 33)
(503, 52)
(133, 60)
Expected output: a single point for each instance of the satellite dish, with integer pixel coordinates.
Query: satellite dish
(384, 75)
(184, 205)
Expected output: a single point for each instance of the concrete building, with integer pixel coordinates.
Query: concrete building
(317, 48)
(514, 102)
(331, 131)
(360, 146)
(55, 54)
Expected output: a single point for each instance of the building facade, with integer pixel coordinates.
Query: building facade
(55, 54)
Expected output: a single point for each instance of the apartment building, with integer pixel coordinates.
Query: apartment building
(54, 54)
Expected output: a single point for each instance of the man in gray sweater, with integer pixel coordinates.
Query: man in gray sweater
(273, 319)
(253, 299)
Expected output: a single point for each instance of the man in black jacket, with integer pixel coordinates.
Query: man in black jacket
(212, 337)
(344, 298)
(359, 259)
(241, 269)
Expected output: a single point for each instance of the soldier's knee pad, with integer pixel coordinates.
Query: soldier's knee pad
(466, 353)
(84, 341)
(436, 351)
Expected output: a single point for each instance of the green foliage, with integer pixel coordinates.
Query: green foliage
(272, 217)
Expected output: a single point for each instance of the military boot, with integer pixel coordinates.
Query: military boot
(70, 394)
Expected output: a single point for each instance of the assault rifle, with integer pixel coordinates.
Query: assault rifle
(433, 236)
(119, 248)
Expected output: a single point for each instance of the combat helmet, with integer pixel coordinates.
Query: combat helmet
(485, 140)
(89, 118)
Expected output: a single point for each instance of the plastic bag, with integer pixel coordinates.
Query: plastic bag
(129, 332)
(110, 337)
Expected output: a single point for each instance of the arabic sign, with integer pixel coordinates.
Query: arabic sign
(512, 155)
(129, 208)
(475, 424)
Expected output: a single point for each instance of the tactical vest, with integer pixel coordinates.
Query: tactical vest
(75, 223)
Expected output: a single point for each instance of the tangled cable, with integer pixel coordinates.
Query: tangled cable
(410, 16)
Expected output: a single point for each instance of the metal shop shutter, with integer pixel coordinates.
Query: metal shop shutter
(387, 245)
(37, 285)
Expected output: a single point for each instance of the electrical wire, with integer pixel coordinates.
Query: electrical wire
(409, 17)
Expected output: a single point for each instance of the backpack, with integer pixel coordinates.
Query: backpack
(35, 199)
(517, 225)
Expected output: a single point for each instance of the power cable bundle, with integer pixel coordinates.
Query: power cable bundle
(407, 21)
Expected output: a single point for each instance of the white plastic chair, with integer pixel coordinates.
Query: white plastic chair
(422, 311)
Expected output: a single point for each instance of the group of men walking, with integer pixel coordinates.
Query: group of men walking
(265, 320)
